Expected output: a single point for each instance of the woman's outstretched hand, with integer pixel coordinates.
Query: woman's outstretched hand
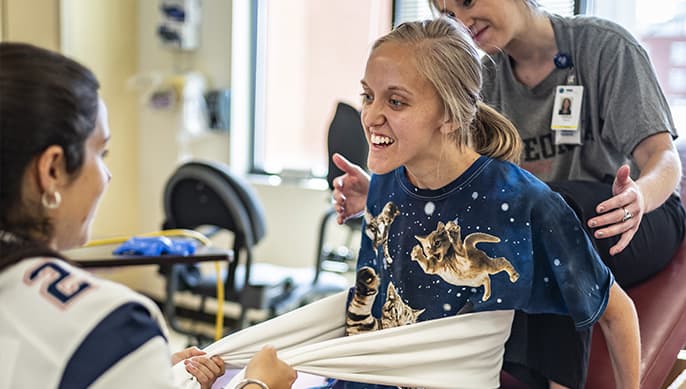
(349, 190)
(622, 213)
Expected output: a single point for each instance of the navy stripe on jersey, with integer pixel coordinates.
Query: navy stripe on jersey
(120, 333)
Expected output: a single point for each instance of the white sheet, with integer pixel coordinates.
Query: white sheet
(463, 351)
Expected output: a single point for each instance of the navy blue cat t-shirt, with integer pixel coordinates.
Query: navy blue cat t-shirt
(495, 238)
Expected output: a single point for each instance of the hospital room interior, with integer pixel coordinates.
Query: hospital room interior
(224, 115)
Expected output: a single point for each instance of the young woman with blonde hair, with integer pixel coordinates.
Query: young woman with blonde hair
(452, 225)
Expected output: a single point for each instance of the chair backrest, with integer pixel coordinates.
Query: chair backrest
(208, 193)
(346, 137)
(203, 193)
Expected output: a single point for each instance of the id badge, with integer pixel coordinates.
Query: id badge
(564, 137)
(567, 114)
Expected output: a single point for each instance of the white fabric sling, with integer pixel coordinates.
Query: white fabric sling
(464, 351)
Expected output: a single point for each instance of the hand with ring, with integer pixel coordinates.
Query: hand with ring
(627, 215)
(621, 214)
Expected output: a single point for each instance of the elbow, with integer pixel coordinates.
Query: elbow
(620, 309)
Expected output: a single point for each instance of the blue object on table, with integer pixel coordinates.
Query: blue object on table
(156, 246)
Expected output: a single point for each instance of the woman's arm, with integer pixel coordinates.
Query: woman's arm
(660, 167)
(620, 327)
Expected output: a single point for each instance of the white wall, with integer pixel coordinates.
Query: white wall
(293, 213)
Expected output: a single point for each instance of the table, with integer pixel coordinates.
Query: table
(101, 256)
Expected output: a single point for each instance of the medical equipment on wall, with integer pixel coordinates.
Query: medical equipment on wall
(180, 24)
(175, 101)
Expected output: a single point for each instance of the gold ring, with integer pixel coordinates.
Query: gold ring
(627, 215)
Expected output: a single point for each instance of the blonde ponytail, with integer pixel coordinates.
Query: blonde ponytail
(495, 136)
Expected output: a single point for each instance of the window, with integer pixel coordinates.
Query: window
(677, 53)
(406, 10)
(660, 25)
(310, 54)
(307, 55)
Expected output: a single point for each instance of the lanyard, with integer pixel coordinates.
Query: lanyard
(571, 76)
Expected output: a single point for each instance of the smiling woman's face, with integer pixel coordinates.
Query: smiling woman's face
(402, 113)
(81, 195)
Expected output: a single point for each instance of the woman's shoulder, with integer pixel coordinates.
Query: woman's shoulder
(96, 319)
(517, 174)
(585, 30)
(58, 282)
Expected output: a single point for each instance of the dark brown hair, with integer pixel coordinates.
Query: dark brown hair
(45, 99)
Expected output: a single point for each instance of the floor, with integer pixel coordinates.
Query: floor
(677, 377)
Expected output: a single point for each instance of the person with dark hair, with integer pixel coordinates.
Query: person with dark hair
(61, 326)
(565, 107)
(618, 168)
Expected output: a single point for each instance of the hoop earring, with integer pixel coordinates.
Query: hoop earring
(49, 203)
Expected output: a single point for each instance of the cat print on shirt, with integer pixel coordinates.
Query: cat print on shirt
(378, 227)
(394, 312)
(458, 262)
(359, 315)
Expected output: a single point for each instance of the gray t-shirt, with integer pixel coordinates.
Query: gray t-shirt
(622, 102)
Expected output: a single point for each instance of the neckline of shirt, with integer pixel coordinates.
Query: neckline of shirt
(472, 172)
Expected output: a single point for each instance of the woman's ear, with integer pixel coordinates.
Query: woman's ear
(447, 127)
(51, 168)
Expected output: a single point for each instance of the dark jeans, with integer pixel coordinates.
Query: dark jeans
(657, 239)
(543, 347)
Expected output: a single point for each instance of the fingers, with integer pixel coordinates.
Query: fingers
(616, 221)
(340, 218)
(185, 354)
(338, 197)
(219, 362)
(267, 367)
(620, 214)
(619, 226)
(623, 221)
(623, 199)
(354, 170)
(623, 242)
(193, 352)
(623, 174)
(350, 189)
(342, 163)
(205, 370)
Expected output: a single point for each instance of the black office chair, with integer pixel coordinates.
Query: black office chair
(346, 137)
(208, 194)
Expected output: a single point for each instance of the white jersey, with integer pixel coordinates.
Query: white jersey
(62, 327)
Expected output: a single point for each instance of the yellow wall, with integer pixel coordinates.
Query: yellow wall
(32, 21)
(103, 35)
